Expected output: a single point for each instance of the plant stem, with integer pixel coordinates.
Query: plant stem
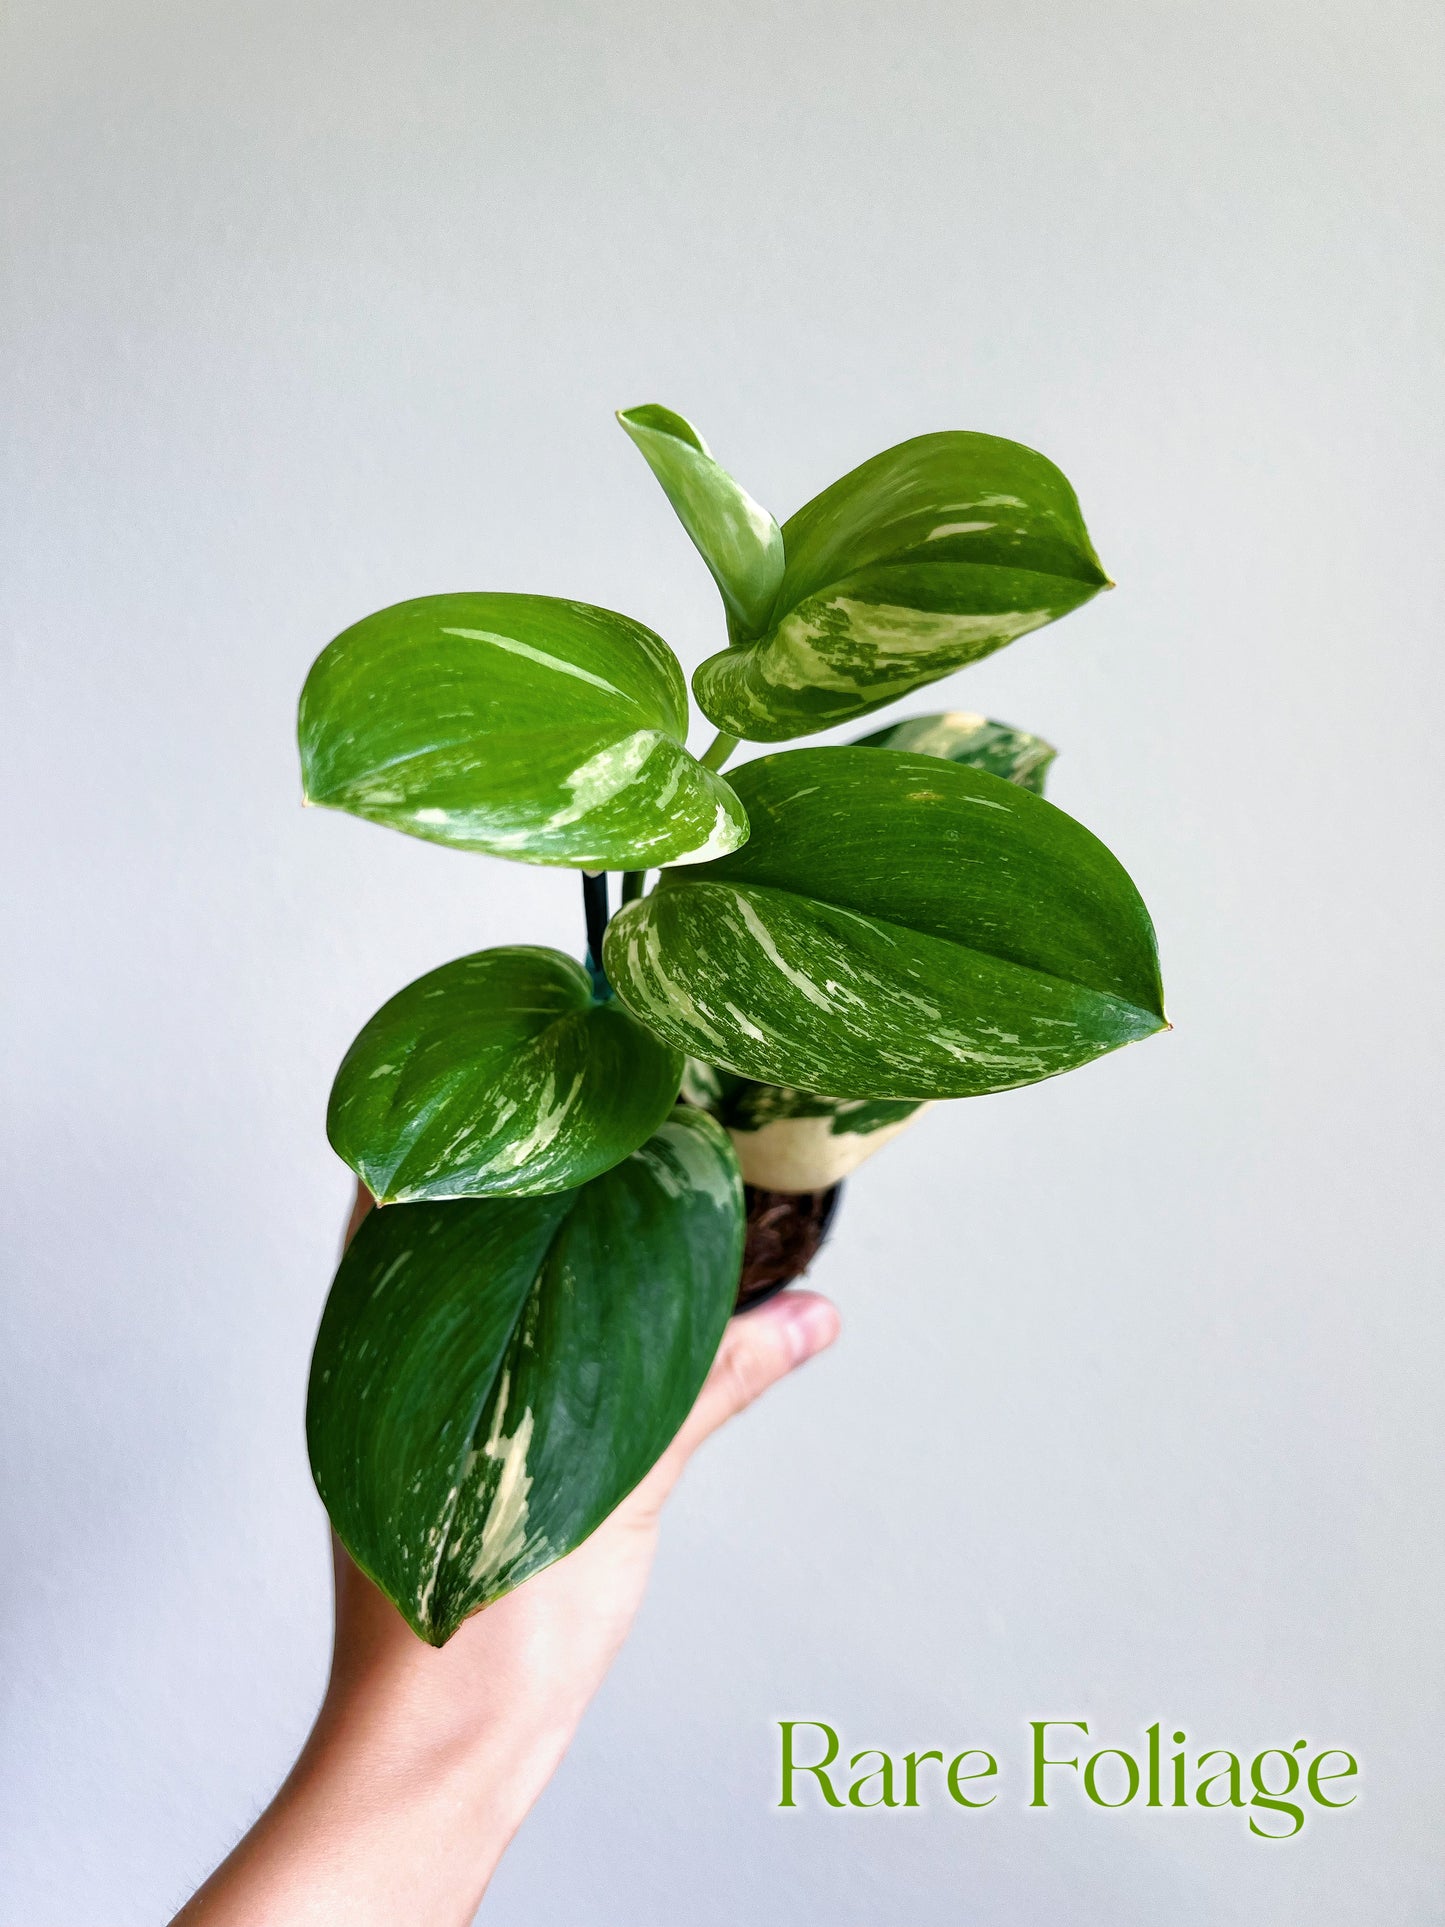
(718, 750)
(632, 882)
(594, 906)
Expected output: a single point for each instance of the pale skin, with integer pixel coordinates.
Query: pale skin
(423, 1762)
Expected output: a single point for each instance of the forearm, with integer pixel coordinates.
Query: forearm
(367, 1833)
(419, 1770)
(424, 1761)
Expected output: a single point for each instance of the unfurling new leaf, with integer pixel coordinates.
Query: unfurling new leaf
(739, 541)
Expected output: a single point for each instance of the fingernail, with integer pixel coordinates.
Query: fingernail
(812, 1324)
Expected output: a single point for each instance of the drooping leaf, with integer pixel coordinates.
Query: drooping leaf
(737, 538)
(959, 736)
(520, 725)
(931, 555)
(789, 1140)
(498, 1074)
(896, 926)
(493, 1376)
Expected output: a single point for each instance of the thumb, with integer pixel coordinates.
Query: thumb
(759, 1347)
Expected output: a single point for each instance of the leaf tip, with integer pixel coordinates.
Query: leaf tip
(651, 417)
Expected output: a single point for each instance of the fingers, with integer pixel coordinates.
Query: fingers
(363, 1204)
(758, 1348)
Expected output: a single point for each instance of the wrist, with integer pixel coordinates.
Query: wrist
(385, 1818)
(408, 1732)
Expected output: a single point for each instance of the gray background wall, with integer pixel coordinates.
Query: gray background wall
(312, 306)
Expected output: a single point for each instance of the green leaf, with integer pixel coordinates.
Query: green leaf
(961, 737)
(520, 725)
(492, 1377)
(896, 926)
(928, 557)
(739, 541)
(498, 1073)
(789, 1140)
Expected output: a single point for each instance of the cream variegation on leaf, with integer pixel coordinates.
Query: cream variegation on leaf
(838, 937)
(493, 1376)
(500, 1074)
(520, 726)
(929, 556)
(896, 926)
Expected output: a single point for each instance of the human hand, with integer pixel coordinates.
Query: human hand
(424, 1761)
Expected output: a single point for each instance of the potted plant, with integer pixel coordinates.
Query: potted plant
(568, 1154)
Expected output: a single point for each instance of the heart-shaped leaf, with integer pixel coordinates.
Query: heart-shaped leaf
(931, 555)
(897, 926)
(739, 541)
(789, 1140)
(959, 736)
(499, 1073)
(492, 1377)
(520, 725)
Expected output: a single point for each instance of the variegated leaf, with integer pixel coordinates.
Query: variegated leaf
(789, 1140)
(928, 557)
(739, 541)
(493, 1376)
(520, 725)
(959, 736)
(897, 926)
(499, 1073)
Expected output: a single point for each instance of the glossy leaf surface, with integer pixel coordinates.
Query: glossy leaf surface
(493, 1376)
(931, 555)
(498, 1074)
(896, 926)
(959, 736)
(789, 1140)
(737, 538)
(523, 726)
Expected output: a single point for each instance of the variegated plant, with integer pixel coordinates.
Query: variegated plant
(837, 937)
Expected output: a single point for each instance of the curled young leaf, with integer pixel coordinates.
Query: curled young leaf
(519, 725)
(737, 538)
(931, 555)
(897, 926)
(499, 1073)
(493, 1376)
